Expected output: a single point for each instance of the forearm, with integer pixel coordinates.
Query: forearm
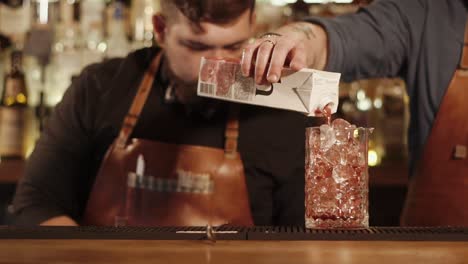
(315, 41)
(375, 42)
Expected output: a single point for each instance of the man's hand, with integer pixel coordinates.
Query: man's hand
(297, 45)
(59, 221)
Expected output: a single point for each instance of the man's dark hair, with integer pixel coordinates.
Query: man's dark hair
(212, 11)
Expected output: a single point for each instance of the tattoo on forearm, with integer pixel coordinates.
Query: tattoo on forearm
(305, 29)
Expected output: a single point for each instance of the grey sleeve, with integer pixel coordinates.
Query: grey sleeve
(51, 183)
(374, 42)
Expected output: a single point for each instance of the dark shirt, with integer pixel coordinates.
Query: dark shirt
(418, 40)
(61, 170)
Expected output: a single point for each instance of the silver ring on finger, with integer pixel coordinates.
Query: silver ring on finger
(269, 41)
(270, 35)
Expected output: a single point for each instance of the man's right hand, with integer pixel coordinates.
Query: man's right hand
(296, 45)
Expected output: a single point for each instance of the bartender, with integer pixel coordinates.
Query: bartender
(423, 42)
(131, 143)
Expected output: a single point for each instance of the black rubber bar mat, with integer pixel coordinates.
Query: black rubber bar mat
(237, 233)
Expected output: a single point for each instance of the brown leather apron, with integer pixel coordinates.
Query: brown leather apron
(181, 185)
(438, 193)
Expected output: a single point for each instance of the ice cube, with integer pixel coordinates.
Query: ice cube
(327, 137)
(353, 154)
(321, 169)
(340, 124)
(356, 158)
(343, 130)
(342, 173)
(314, 139)
(333, 155)
(312, 146)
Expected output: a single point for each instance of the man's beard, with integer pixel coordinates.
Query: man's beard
(185, 92)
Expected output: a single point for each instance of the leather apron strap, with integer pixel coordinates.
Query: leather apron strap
(138, 103)
(231, 132)
(464, 59)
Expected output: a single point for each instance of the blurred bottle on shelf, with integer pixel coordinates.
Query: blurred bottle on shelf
(117, 42)
(142, 25)
(45, 12)
(15, 19)
(394, 117)
(92, 26)
(13, 110)
(5, 43)
(66, 57)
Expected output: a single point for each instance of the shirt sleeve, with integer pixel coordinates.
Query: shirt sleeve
(375, 41)
(51, 184)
